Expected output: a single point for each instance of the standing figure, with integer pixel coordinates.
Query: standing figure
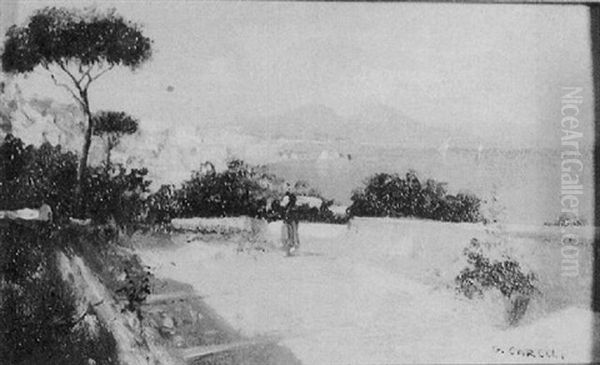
(291, 240)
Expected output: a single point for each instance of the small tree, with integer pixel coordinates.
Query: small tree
(76, 48)
(111, 126)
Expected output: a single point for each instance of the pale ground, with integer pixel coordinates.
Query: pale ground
(373, 293)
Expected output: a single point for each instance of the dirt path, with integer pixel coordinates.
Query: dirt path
(339, 301)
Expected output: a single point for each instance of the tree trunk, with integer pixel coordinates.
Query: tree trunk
(87, 141)
(109, 147)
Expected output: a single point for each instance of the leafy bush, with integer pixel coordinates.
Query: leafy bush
(39, 323)
(30, 177)
(305, 213)
(115, 194)
(568, 219)
(136, 288)
(164, 205)
(463, 207)
(504, 275)
(239, 190)
(389, 195)
(311, 214)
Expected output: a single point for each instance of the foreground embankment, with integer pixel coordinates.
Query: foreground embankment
(382, 291)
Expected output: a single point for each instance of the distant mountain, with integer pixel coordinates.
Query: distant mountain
(373, 124)
(314, 122)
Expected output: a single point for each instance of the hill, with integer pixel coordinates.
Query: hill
(374, 124)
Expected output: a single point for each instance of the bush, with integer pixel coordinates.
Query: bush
(240, 190)
(305, 213)
(389, 195)
(463, 207)
(568, 219)
(116, 194)
(164, 205)
(39, 323)
(136, 288)
(30, 177)
(504, 275)
(234, 192)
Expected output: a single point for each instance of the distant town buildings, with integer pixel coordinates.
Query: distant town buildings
(331, 155)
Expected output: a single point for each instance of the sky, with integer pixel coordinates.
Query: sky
(496, 70)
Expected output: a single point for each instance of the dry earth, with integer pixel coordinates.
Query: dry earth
(377, 292)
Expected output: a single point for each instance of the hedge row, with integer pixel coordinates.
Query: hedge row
(240, 190)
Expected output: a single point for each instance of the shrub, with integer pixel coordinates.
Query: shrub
(306, 213)
(115, 193)
(568, 219)
(164, 205)
(504, 275)
(464, 207)
(389, 195)
(234, 192)
(136, 288)
(240, 190)
(30, 177)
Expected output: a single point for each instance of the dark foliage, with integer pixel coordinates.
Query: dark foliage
(111, 126)
(389, 195)
(114, 123)
(30, 177)
(568, 219)
(239, 190)
(38, 315)
(54, 35)
(136, 288)
(164, 205)
(116, 194)
(320, 215)
(504, 275)
(305, 213)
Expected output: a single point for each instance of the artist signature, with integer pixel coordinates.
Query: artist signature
(527, 352)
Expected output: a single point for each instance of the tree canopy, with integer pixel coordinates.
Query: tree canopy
(85, 37)
(111, 125)
(114, 124)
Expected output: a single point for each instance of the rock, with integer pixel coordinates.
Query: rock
(178, 341)
(91, 322)
(167, 325)
(133, 322)
(122, 277)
